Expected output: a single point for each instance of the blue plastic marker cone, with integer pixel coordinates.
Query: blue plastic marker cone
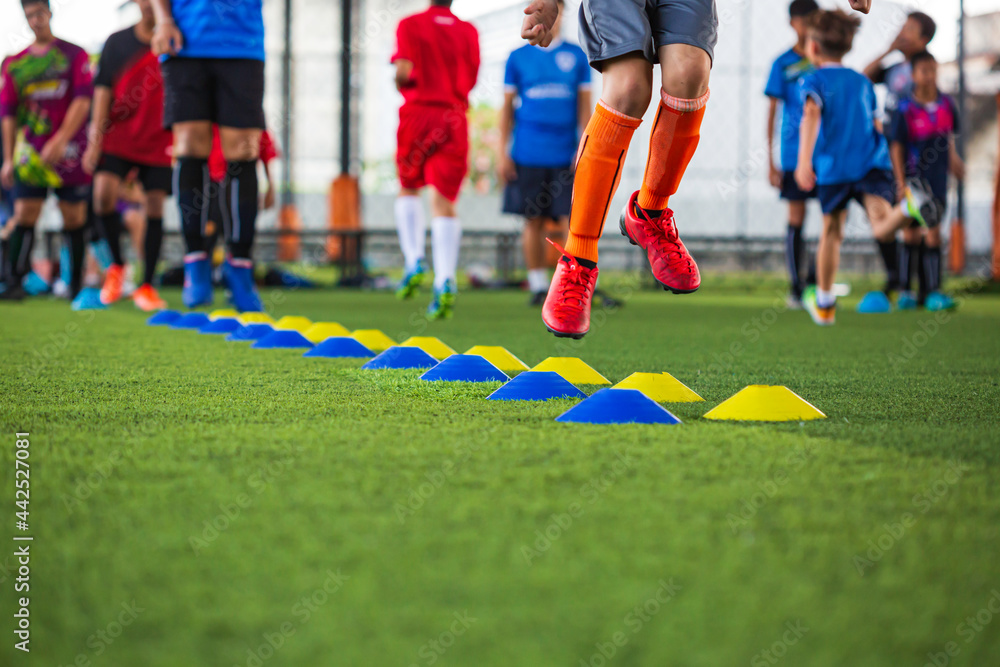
(536, 386)
(224, 325)
(618, 406)
(190, 321)
(465, 368)
(875, 302)
(282, 340)
(250, 332)
(340, 347)
(399, 356)
(163, 318)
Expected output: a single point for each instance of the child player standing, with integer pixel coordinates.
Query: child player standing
(843, 153)
(922, 136)
(624, 39)
(437, 65)
(783, 87)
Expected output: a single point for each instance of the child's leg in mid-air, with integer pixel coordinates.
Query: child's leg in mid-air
(625, 95)
(885, 218)
(676, 129)
(828, 256)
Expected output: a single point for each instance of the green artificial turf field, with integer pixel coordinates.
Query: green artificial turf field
(198, 503)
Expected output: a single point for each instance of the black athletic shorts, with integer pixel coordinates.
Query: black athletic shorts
(540, 192)
(226, 91)
(790, 190)
(152, 178)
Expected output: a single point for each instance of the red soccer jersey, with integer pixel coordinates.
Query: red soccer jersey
(444, 51)
(135, 125)
(217, 162)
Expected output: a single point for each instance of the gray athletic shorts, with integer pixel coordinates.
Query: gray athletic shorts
(611, 28)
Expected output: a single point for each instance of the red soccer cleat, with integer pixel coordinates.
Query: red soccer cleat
(111, 292)
(566, 312)
(673, 266)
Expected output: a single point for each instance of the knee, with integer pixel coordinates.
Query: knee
(688, 74)
(154, 206)
(796, 216)
(628, 94)
(104, 201)
(442, 207)
(833, 231)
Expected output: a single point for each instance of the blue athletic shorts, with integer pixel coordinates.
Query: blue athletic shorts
(878, 182)
(540, 192)
(611, 28)
(790, 190)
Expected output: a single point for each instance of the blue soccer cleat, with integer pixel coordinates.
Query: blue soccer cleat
(35, 285)
(443, 305)
(906, 301)
(238, 274)
(89, 298)
(411, 281)
(937, 301)
(197, 280)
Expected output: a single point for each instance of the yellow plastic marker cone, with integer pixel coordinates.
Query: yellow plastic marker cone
(373, 339)
(499, 357)
(430, 345)
(256, 318)
(761, 403)
(320, 331)
(573, 370)
(293, 323)
(225, 312)
(661, 387)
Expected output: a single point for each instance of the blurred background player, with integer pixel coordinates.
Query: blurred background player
(437, 64)
(217, 172)
(213, 72)
(126, 134)
(840, 136)
(917, 32)
(783, 87)
(546, 105)
(6, 206)
(44, 103)
(922, 136)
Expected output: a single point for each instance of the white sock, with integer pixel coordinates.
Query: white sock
(412, 229)
(446, 238)
(538, 280)
(825, 299)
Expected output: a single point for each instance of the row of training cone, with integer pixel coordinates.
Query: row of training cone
(635, 399)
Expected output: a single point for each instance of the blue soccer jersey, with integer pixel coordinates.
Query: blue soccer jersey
(220, 28)
(547, 82)
(783, 85)
(849, 144)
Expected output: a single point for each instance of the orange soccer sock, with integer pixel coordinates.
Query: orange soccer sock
(598, 172)
(672, 144)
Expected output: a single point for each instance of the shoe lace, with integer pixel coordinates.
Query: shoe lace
(577, 283)
(665, 237)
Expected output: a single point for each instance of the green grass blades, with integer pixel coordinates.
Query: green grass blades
(196, 502)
